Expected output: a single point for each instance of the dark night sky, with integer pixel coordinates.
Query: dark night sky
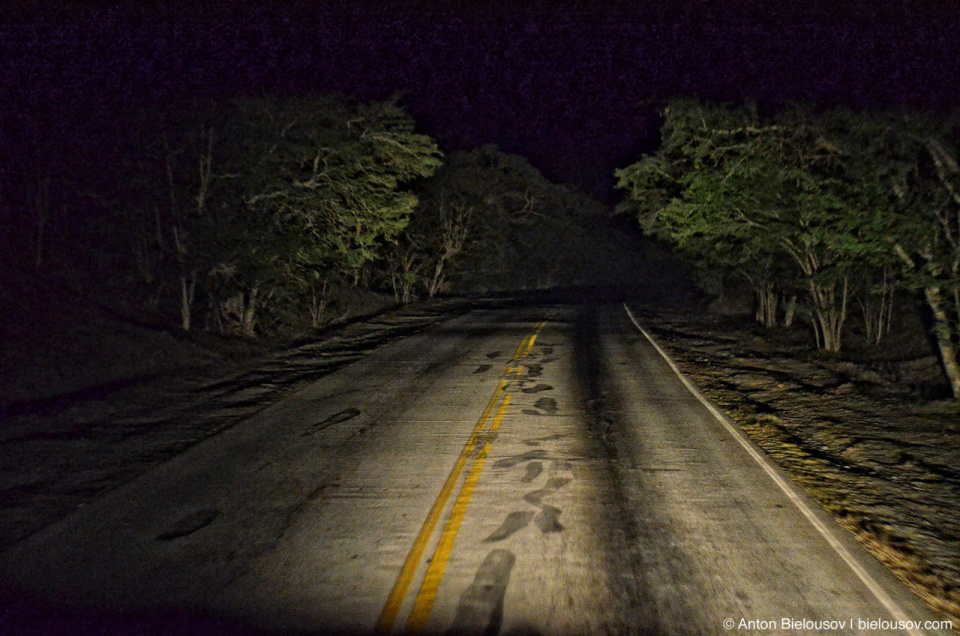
(570, 85)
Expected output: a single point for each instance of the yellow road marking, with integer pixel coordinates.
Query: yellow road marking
(390, 609)
(533, 337)
(519, 352)
(524, 348)
(423, 602)
(438, 563)
(530, 342)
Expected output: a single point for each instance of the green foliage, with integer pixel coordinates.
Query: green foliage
(490, 220)
(734, 189)
(257, 202)
(771, 198)
(333, 177)
(835, 194)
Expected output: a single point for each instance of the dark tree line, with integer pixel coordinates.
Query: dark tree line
(490, 220)
(834, 207)
(243, 210)
(254, 216)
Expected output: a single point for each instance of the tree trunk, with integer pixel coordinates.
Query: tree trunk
(187, 289)
(828, 316)
(249, 322)
(437, 281)
(947, 331)
(454, 234)
(789, 310)
(767, 301)
(318, 304)
(877, 310)
(888, 296)
(946, 339)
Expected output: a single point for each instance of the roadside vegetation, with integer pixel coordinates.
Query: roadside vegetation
(256, 215)
(264, 220)
(241, 214)
(830, 216)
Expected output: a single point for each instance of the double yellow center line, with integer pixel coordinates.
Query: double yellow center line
(478, 446)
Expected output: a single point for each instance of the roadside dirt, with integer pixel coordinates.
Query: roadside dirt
(856, 436)
(60, 453)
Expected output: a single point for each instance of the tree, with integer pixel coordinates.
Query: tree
(257, 203)
(499, 217)
(745, 193)
(170, 171)
(490, 220)
(872, 198)
(939, 250)
(917, 215)
(450, 204)
(686, 195)
(332, 185)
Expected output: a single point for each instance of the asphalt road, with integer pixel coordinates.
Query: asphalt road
(525, 470)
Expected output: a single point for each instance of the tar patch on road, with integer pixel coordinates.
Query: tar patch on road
(514, 521)
(510, 462)
(549, 520)
(533, 471)
(336, 418)
(538, 388)
(189, 524)
(554, 484)
(536, 441)
(481, 605)
(543, 406)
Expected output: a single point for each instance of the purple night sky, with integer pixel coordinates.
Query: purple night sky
(572, 86)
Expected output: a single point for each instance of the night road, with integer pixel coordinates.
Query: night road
(537, 470)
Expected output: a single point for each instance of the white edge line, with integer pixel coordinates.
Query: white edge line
(788, 489)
